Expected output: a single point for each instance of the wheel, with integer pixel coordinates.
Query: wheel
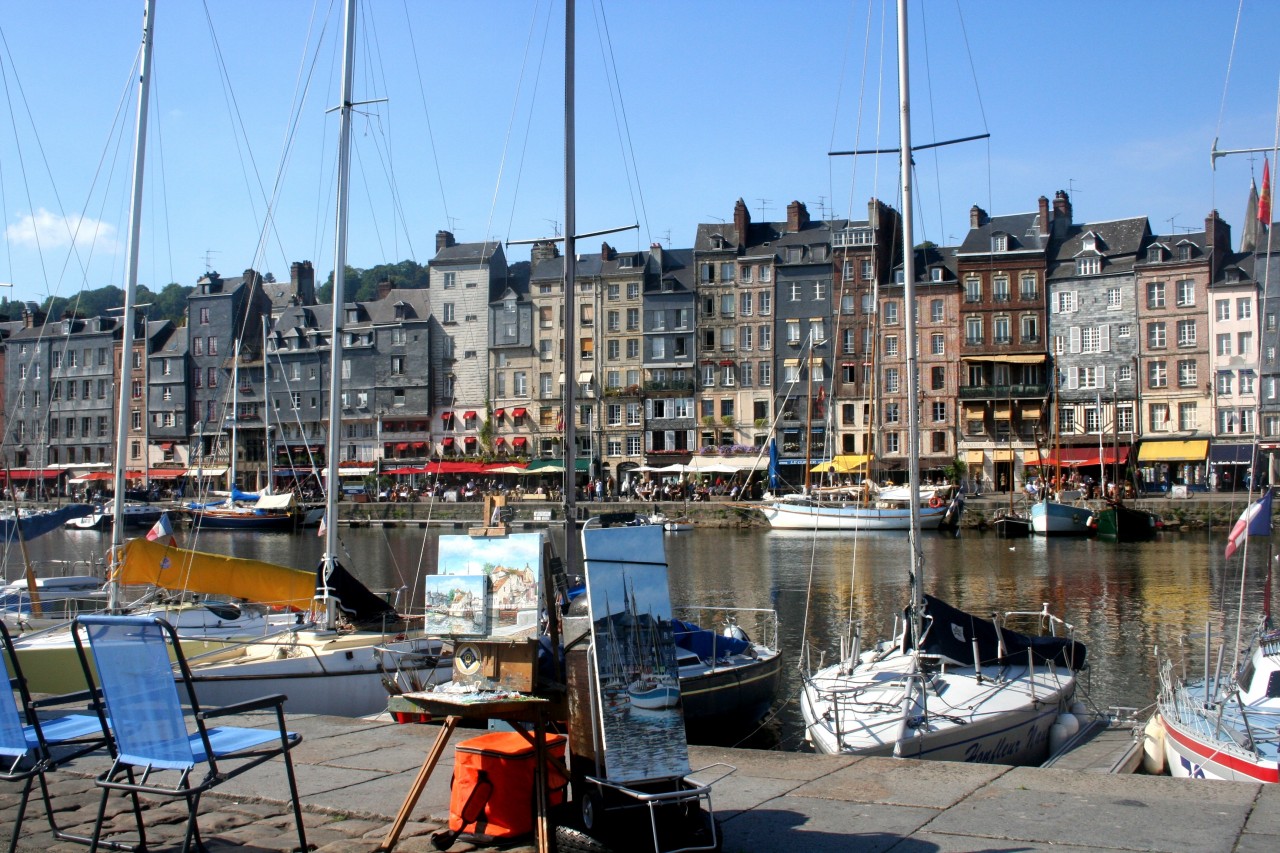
(572, 837)
(592, 808)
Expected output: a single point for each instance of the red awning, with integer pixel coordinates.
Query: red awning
(455, 467)
(471, 439)
(446, 416)
(499, 441)
(728, 362)
(448, 441)
(1078, 456)
(418, 445)
(467, 416)
(519, 441)
(518, 413)
(498, 413)
(32, 473)
(403, 445)
(166, 445)
(98, 475)
(166, 473)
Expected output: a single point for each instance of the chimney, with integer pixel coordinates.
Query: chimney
(543, 251)
(1217, 235)
(1061, 208)
(741, 221)
(444, 239)
(302, 281)
(606, 253)
(1044, 216)
(655, 250)
(977, 217)
(797, 216)
(31, 315)
(384, 288)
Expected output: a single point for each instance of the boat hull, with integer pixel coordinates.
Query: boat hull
(1010, 527)
(242, 521)
(1055, 519)
(1124, 524)
(1189, 754)
(732, 698)
(782, 515)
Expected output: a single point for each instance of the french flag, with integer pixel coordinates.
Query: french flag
(1254, 521)
(161, 529)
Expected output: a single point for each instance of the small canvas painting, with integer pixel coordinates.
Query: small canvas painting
(638, 680)
(513, 567)
(457, 605)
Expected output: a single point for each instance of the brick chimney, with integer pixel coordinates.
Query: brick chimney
(1044, 216)
(32, 316)
(1217, 235)
(302, 281)
(741, 221)
(543, 251)
(655, 251)
(1061, 207)
(444, 239)
(977, 217)
(797, 216)
(606, 252)
(384, 288)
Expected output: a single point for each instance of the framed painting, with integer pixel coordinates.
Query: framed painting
(457, 605)
(513, 567)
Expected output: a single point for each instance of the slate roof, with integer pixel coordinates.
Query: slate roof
(1023, 230)
(1121, 243)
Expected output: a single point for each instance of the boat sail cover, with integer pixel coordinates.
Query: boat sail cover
(355, 599)
(952, 633)
(168, 567)
(39, 523)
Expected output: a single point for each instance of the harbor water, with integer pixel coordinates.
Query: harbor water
(1125, 600)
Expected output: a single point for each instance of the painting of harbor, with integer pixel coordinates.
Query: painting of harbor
(635, 656)
(457, 605)
(513, 567)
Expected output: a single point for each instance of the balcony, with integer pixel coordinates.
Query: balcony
(1003, 392)
(685, 385)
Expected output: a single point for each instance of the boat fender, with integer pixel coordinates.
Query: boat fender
(1153, 746)
(735, 632)
(1081, 710)
(1062, 730)
(935, 502)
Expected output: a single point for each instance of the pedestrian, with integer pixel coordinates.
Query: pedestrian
(599, 490)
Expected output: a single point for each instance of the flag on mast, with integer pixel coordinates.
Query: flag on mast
(1264, 200)
(1254, 521)
(324, 527)
(162, 528)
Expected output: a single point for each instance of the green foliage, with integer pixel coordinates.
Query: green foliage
(362, 285)
(169, 304)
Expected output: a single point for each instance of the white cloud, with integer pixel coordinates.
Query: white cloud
(57, 232)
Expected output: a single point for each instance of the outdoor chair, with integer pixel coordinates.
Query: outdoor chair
(157, 752)
(31, 746)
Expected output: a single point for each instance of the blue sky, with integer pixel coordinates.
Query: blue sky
(1118, 103)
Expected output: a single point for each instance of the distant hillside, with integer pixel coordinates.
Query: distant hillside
(362, 285)
(168, 304)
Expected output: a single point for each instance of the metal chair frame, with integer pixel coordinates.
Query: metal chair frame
(224, 751)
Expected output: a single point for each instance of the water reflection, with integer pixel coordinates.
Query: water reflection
(1124, 599)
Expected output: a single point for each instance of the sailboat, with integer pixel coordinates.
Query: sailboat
(948, 685)
(1116, 522)
(1057, 513)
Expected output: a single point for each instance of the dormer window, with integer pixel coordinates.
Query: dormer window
(717, 242)
(353, 315)
(1184, 252)
(1091, 242)
(626, 262)
(1155, 255)
(935, 274)
(1088, 266)
(1000, 242)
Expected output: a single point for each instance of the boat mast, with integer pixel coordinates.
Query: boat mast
(569, 455)
(130, 298)
(329, 561)
(909, 305)
(808, 418)
(235, 415)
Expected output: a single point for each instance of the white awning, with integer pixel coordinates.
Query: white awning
(283, 501)
(348, 472)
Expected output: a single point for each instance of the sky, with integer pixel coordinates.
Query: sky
(683, 106)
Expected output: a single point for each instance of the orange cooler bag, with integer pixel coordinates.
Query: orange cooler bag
(493, 784)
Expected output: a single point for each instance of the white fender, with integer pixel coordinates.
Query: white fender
(1153, 746)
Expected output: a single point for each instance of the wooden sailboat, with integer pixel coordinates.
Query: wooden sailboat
(1057, 513)
(948, 685)
(1117, 522)
(1011, 525)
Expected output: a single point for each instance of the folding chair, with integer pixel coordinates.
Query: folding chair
(31, 746)
(140, 687)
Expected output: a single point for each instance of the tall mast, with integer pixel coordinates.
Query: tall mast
(571, 318)
(909, 307)
(329, 561)
(235, 410)
(130, 297)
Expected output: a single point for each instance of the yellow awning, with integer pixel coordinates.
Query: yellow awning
(791, 362)
(1031, 457)
(1174, 451)
(973, 457)
(1004, 455)
(843, 464)
(1031, 413)
(974, 411)
(160, 564)
(1004, 414)
(1007, 359)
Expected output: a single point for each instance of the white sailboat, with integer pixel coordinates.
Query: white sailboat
(947, 685)
(329, 667)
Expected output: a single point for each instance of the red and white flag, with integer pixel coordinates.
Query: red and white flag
(324, 526)
(1264, 200)
(161, 529)
(1254, 521)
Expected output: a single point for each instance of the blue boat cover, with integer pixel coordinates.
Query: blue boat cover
(705, 643)
(40, 523)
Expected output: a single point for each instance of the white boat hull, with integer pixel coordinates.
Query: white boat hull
(785, 515)
(1055, 519)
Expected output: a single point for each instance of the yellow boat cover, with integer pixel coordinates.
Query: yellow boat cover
(169, 567)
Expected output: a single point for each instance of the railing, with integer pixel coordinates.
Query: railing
(1002, 391)
(686, 385)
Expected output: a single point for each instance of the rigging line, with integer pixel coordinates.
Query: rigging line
(862, 101)
(422, 93)
(524, 147)
(373, 220)
(933, 122)
(624, 132)
(164, 196)
(839, 94)
(1231, 56)
(374, 120)
(375, 74)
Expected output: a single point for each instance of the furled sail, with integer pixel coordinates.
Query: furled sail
(173, 568)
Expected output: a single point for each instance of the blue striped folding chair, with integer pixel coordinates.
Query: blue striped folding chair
(31, 746)
(159, 750)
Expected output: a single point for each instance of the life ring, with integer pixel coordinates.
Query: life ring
(935, 502)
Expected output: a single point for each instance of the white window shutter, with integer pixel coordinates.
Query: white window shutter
(1102, 376)
(1104, 335)
(1073, 377)
(1075, 303)
(1075, 339)
(648, 409)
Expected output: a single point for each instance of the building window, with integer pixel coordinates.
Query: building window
(891, 345)
(1156, 338)
(1186, 293)
(891, 442)
(1222, 344)
(1028, 289)
(1000, 289)
(1244, 310)
(1187, 373)
(1065, 302)
(1222, 309)
(1124, 414)
(937, 344)
(1188, 417)
(1157, 374)
(1088, 266)
(891, 380)
(1030, 328)
(204, 317)
(1124, 330)
(1158, 416)
(1186, 333)
(1246, 382)
(890, 314)
(1113, 299)
(1000, 333)
(939, 412)
(973, 331)
(450, 280)
(973, 290)
(1155, 294)
(938, 378)
(1244, 343)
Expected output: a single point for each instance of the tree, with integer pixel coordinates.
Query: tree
(362, 285)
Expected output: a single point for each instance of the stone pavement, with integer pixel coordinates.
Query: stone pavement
(353, 775)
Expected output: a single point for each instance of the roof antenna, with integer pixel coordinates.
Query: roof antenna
(764, 208)
(208, 259)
